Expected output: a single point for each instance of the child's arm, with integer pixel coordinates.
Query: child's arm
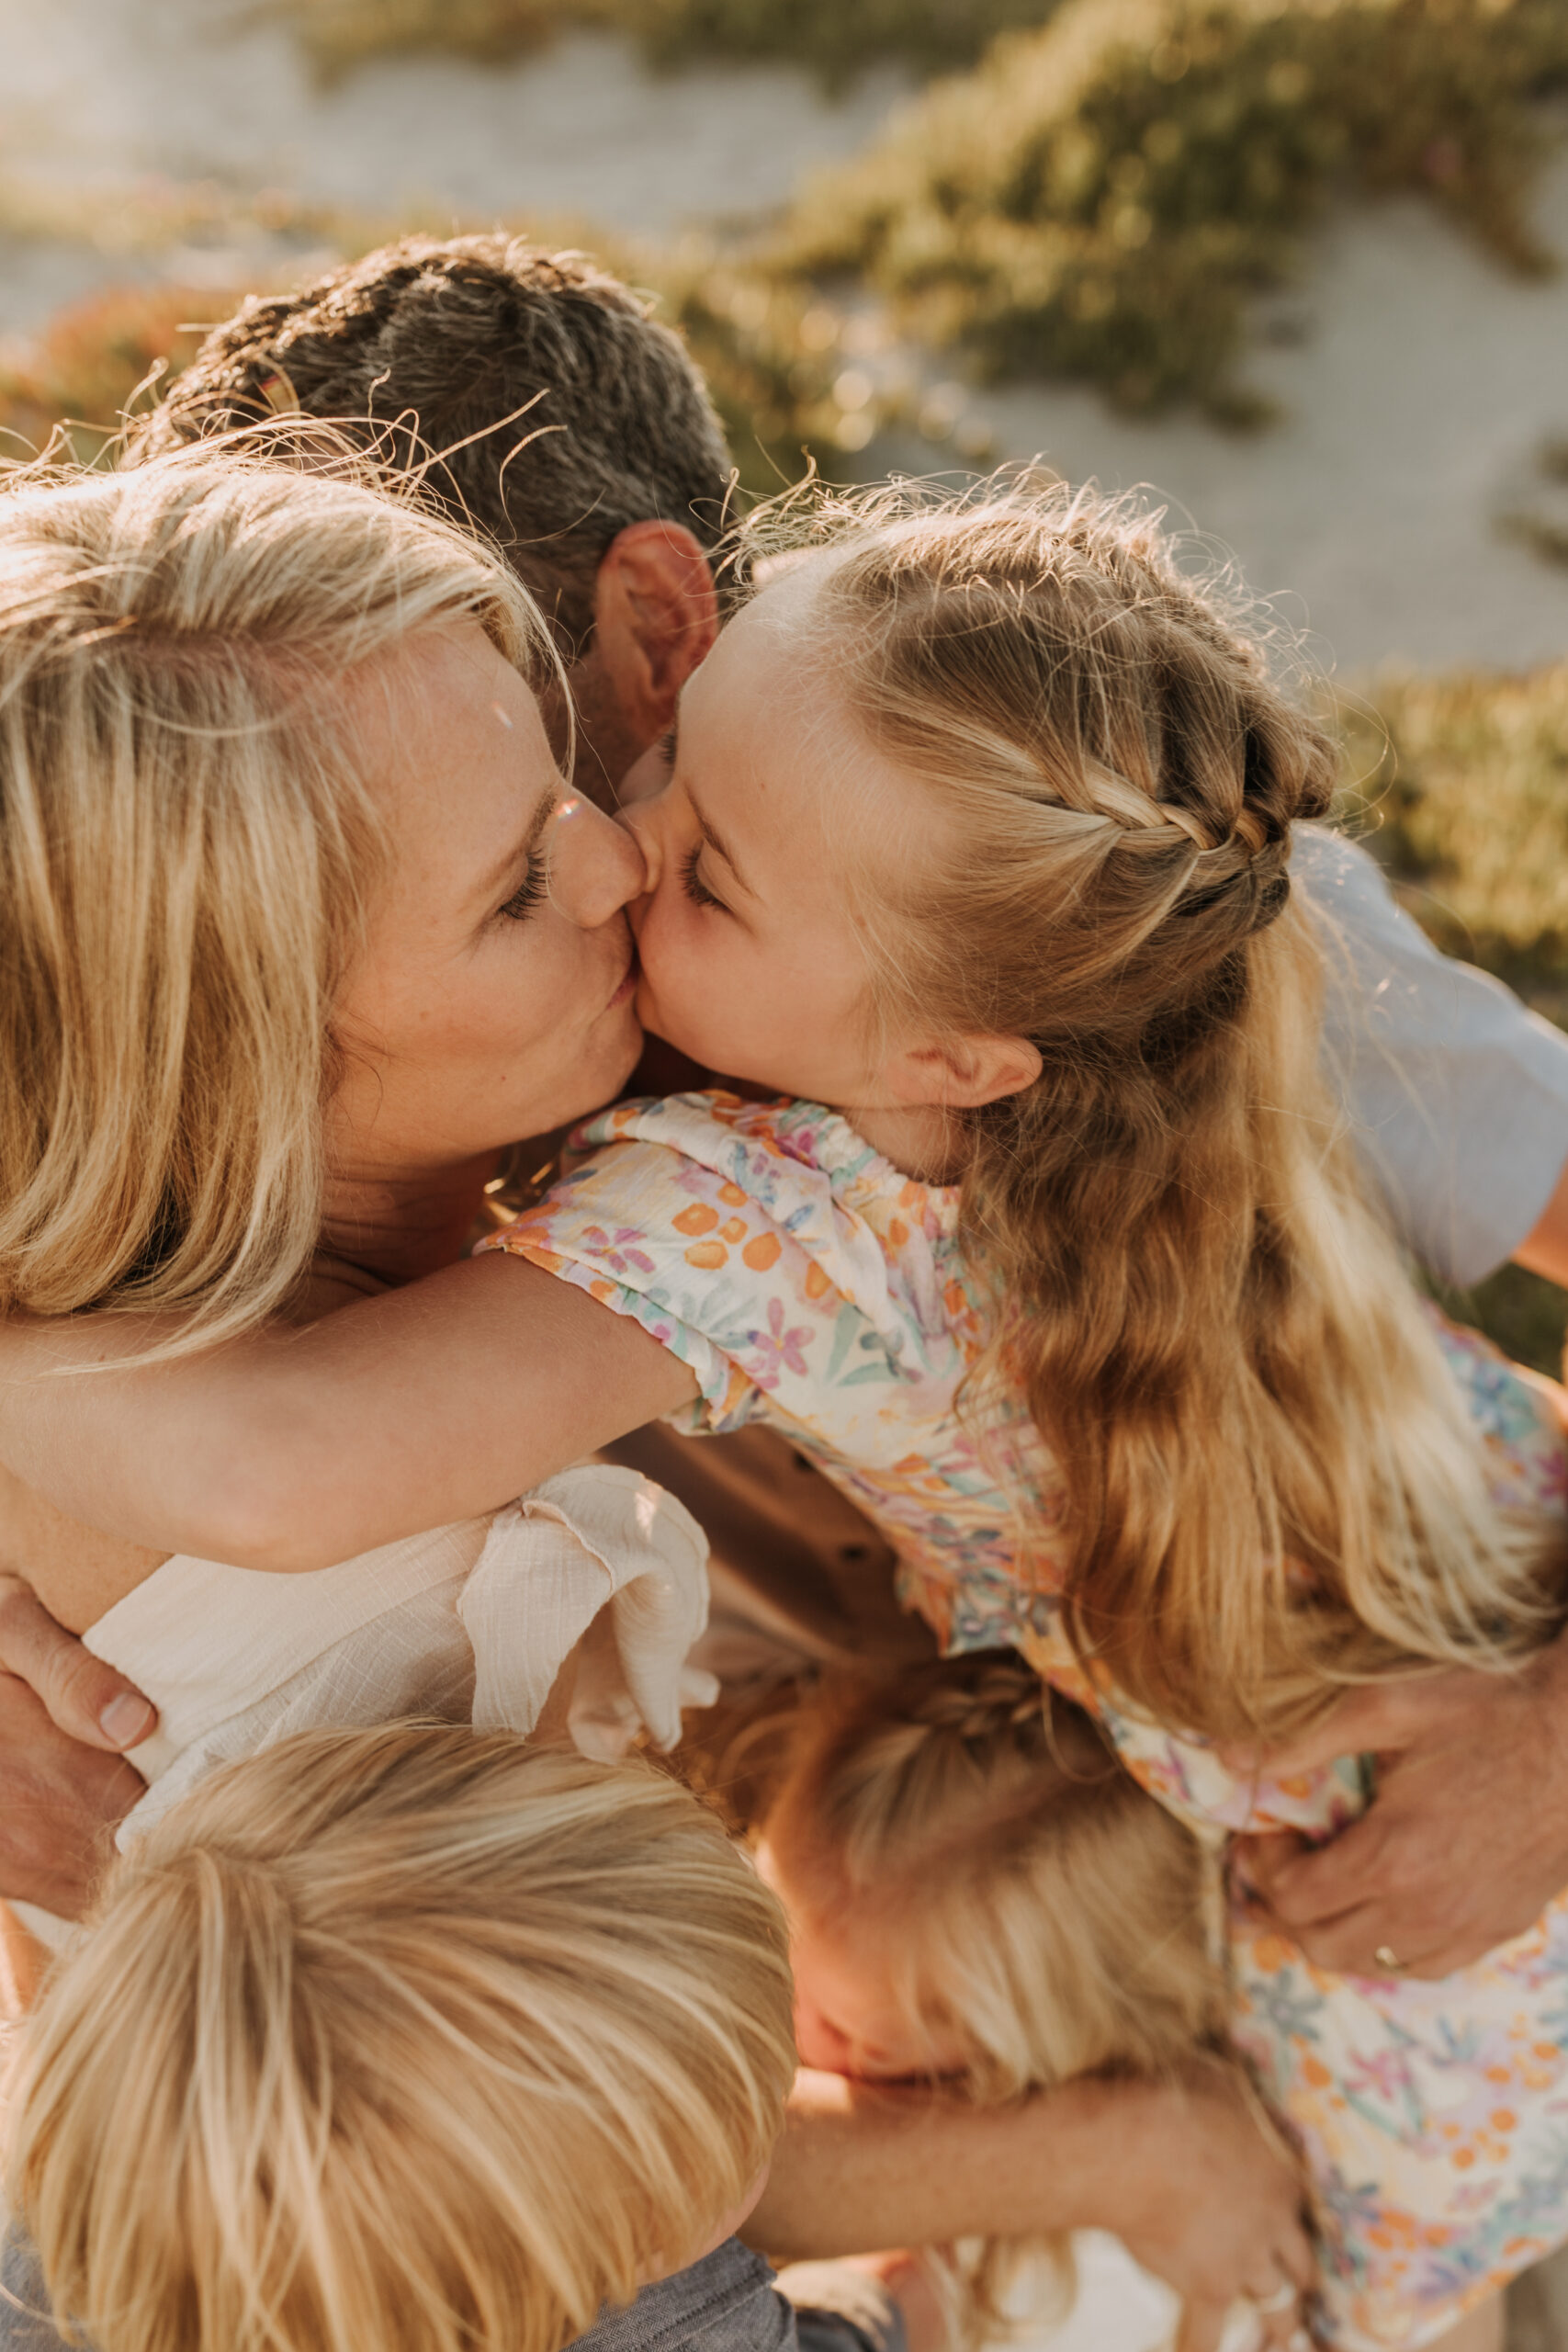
(1181, 2171)
(289, 1450)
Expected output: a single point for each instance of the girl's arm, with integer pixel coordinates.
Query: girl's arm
(291, 1449)
(1180, 2171)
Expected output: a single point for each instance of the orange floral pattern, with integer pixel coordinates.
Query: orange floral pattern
(810, 1285)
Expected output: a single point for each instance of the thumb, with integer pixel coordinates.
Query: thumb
(84, 1696)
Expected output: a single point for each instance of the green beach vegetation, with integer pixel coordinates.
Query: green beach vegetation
(836, 38)
(1100, 198)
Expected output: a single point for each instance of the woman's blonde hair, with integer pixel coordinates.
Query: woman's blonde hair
(186, 854)
(1043, 1913)
(1273, 1486)
(413, 2038)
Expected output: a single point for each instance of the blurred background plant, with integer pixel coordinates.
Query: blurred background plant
(833, 37)
(1099, 199)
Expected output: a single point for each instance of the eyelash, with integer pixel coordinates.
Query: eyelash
(694, 885)
(530, 893)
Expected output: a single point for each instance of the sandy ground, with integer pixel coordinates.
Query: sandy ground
(1416, 401)
(102, 91)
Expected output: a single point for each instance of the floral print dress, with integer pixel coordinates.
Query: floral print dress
(809, 1284)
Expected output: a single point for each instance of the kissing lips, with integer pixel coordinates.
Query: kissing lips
(628, 985)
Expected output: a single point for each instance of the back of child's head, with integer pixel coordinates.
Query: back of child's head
(1032, 1912)
(1045, 1916)
(1209, 1325)
(404, 2038)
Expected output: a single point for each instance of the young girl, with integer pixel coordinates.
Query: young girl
(414, 2037)
(978, 1894)
(972, 845)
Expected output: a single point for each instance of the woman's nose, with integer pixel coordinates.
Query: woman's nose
(596, 866)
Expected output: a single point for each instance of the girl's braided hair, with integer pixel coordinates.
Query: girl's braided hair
(1272, 1485)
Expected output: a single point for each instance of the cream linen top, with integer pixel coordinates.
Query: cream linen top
(471, 1623)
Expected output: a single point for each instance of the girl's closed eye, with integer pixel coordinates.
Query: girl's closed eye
(696, 889)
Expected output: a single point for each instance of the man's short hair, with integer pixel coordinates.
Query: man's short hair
(436, 345)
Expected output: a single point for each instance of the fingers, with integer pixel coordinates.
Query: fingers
(1369, 1940)
(1203, 2324)
(1296, 2258)
(87, 1700)
(61, 1802)
(1307, 1887)
(1371, 1722)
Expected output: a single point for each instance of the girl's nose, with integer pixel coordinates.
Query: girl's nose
(596, 866)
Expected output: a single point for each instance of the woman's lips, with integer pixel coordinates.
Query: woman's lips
(628, 985)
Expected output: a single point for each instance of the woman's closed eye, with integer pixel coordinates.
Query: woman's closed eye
(696, 889)
(530, 893)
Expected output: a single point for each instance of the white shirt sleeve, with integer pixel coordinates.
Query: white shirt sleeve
(1457, 1094)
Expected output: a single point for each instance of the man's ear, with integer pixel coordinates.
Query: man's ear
(963, 1073)
(655, 616)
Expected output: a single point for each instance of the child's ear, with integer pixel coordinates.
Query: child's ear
(656, 616)
(964, 1072)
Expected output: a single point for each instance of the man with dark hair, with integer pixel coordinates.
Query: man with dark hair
(558, 418)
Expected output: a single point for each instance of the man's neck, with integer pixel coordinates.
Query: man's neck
(395, 1226)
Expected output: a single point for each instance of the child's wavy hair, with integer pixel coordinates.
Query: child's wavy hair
(1274, 1486)
(1041, 1911)
(412, 2037)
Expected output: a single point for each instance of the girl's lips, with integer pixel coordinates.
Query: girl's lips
(628, 985)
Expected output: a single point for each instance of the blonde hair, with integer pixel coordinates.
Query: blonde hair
(1273, 1485)
(1047, 1917)
(411, 2037)
(186, 855)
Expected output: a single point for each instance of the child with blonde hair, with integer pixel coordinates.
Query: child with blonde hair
(977, 1893)
(415, 2037)
(972, 847)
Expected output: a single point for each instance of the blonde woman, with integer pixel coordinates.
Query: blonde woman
(286, 969)
(975, 842)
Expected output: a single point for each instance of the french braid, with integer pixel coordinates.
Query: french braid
(1273, 1488)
